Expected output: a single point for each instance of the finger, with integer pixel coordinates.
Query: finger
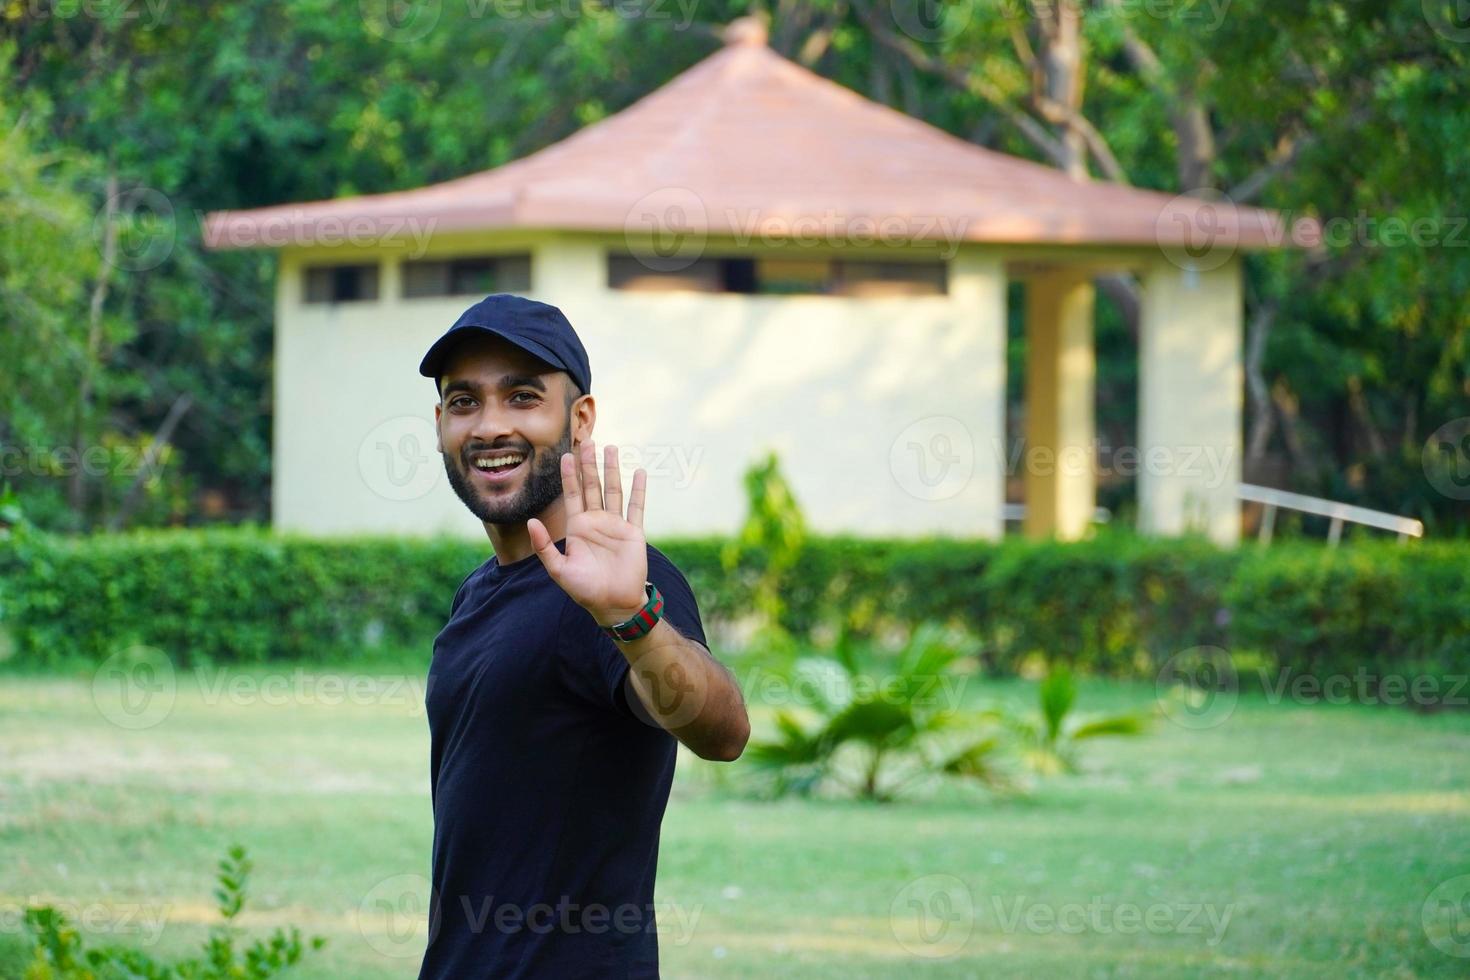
(637, 497)
(611, 472)
(571, 484)
(591, 485)
(546, 549)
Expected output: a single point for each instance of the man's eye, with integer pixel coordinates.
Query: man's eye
(460, 402)
(526, 396)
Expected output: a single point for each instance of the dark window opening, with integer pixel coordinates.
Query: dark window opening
(892, 278)
(779, 276)
(477, 276)
(341, 283)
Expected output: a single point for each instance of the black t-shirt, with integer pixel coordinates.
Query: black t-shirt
(548, 789)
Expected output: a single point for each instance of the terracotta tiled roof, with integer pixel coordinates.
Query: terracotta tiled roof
(747, 143)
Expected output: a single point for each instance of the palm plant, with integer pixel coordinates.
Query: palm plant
(1050, 737)
(883, 711)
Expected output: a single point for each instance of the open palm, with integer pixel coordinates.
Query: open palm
(606, 560)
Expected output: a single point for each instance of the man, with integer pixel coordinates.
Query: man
(571, 662)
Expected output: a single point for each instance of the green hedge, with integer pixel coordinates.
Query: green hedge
(225, 596)
(1118, 604)
(1386, 608)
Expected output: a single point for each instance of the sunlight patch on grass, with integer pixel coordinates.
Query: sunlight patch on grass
(1429, 804)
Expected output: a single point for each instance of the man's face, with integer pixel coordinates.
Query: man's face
(504, 423)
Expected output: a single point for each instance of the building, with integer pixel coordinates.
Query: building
(758, 258)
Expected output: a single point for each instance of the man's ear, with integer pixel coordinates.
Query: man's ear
(438, 432)
(584, 417)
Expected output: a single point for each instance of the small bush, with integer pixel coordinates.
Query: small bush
(59, 954)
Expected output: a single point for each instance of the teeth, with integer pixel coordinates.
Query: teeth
(490, 462)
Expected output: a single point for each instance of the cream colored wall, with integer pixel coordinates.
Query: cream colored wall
(886, 413)
(1190, 392)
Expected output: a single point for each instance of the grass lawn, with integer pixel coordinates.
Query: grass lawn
(1290, 840)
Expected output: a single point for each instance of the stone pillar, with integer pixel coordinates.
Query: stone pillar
(1190, 393)
(1060, 468)
(977, 291)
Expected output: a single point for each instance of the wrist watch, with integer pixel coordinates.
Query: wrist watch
(642, 622)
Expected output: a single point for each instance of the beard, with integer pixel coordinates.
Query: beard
(541, 487)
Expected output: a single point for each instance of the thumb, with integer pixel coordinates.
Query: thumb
(546, 548)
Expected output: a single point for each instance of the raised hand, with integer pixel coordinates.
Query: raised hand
(606, 560)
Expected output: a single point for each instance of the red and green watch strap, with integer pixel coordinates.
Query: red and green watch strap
(643, 621)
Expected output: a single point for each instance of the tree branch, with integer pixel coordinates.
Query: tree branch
(1257, 333)
(1288, 147)
(1191, 123)
(1033, 131)
(1097, 144)
(1123, 290)
(156, 446)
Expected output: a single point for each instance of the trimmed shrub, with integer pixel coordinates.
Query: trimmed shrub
(1384, 608)
(1118, 604)
(235, 595)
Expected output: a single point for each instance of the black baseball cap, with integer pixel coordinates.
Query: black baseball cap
(536, 328)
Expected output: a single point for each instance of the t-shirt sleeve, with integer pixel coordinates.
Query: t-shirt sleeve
(593, 666)
(459, 594)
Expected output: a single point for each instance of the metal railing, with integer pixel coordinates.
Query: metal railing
(1338, 513)
(1015, 513)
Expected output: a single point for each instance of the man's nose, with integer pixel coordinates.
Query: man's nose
(491, 424)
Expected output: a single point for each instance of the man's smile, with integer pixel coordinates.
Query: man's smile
(497, 466)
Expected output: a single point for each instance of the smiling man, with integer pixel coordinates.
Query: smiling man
(571, 662)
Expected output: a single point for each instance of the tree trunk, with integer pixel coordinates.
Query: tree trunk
(77, 492)
(1255, 382)
(1057, 79)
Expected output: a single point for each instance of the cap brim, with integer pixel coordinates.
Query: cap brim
(432, 364)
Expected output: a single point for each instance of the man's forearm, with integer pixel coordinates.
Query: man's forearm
(686, 691)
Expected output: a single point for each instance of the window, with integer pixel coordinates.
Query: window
(341, 283)
(792, 276)
(782, 277)
(892, 278)
(477, 276)
(630, 272)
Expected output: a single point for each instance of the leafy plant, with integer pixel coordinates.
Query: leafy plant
(880, 713)
(59, 954)
(11, 513)
(774, 534)
(1049, 738)
(879, 725)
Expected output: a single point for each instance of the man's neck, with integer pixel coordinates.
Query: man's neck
(512, 542)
